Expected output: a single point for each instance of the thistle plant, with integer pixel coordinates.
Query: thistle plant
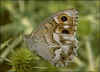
(22, 61)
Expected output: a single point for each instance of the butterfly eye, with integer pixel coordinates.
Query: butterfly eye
(64, 18)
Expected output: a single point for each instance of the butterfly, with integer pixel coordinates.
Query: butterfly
(55, 39)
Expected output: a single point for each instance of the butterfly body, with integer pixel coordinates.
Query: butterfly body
(55, 39)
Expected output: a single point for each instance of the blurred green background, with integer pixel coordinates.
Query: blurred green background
(20, 17)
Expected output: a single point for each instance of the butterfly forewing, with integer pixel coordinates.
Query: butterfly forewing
(55, 39)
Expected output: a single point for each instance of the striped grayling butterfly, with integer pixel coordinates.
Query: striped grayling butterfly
(55, 39)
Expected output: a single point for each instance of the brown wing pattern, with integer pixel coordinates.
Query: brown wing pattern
(55, 39)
